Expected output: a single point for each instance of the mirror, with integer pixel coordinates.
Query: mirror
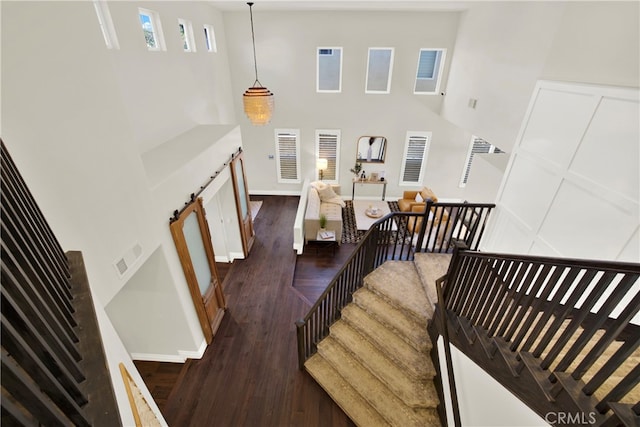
(371, 149)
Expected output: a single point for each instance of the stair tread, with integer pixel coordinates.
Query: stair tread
(388, 341)
(399, 283)
(407, 327)
(411, 390)
(351, 402)
(375, 392)
(431, 267)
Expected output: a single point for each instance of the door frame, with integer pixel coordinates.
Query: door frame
(209, 326)
(247, 232)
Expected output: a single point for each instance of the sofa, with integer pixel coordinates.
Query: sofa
(324, 199)
(412, 199)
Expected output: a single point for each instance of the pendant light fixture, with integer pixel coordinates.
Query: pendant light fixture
(257, 100)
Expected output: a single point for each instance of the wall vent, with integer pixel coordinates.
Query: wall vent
(128, 259)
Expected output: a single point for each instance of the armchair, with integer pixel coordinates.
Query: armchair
(409, 202)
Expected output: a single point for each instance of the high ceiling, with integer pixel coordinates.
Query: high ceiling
(364, 5)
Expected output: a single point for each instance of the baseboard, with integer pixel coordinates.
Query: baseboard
(236, 255)
(181, 357)
(195, 354)
(150, 357)
(275, 193)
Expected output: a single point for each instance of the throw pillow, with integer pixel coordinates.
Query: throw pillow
(419, 198)
(327, 195)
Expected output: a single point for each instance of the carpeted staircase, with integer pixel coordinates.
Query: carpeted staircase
(375, 363)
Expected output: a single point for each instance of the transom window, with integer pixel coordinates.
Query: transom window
(210, 38)
(186, 35)
(329, 72)
(379, 67)
(152, 29)
(430, 65)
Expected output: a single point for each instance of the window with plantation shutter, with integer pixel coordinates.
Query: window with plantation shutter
(477, 146)
(287, 158)
(430, 65)
(414, 158)
(328, 147)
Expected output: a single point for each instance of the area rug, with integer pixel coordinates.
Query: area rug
(255, 206)
(349, 232)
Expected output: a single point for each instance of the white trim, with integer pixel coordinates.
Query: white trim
(151, 357)
(106, 24)
(195, 354)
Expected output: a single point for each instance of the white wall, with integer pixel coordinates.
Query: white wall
(602, 184)
(500, 52)
(81, 122)
(286, 45)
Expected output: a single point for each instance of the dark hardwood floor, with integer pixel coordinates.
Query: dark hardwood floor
(249, 375)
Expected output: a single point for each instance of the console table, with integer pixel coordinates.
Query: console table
(358, 181)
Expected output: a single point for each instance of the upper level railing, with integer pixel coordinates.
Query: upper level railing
(397, 236)
(568, 322)
(49, 340)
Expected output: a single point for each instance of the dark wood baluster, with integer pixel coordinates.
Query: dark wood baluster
(456, 286)
(23, 247)
(552, 306)
(611, 333)
(487, 282)
(612, 301)
(19, 384)
(620, 390)
(533, 302)
(471, 286)
(494, 296)
(504, 297)
(564, 313)
(614, 362)
(52, 333)
(516, 295)
(47, 234)
(577, 320)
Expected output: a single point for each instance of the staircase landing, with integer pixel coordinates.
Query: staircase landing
(376, 364)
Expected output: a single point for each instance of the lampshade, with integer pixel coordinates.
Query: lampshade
(322, 164)
(257, 100)
(258, 104)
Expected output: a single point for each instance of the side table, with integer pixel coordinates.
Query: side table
(358, 181)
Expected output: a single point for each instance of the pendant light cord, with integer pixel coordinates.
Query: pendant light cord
(253, 39)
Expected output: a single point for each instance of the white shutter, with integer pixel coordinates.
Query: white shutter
(328, 147)
(477, 146)
(414, 159)
(287, 148)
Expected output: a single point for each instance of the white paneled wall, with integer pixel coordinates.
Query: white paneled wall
(571, 188)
